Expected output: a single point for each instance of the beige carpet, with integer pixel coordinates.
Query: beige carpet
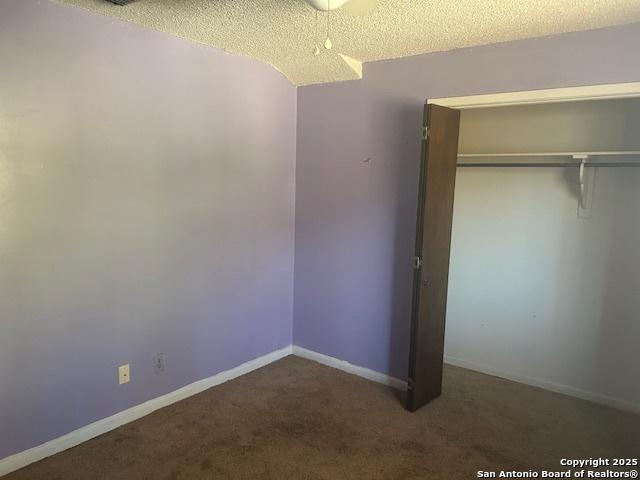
(296, 419)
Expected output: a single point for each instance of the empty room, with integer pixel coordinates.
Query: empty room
(319, 239)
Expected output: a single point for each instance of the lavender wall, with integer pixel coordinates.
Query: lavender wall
(146, 205)
(355, 220)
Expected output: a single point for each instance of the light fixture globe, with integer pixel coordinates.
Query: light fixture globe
(326, 5)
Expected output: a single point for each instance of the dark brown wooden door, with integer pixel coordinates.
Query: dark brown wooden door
(433, 244)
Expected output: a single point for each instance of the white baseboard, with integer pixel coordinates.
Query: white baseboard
(546, 385)
(350, 368)
(22, 459)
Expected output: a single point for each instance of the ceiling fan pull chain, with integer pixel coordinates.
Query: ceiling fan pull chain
(316, 48)
(327, 43)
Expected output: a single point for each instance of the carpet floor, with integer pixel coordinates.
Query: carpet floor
(296, 419)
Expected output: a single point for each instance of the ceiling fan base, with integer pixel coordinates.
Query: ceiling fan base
(323, 5)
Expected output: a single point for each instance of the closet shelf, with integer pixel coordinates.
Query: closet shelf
(551, 154)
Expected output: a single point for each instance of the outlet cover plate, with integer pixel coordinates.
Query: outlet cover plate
(124, 374)
(159, 363)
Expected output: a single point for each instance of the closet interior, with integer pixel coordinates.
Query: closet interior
(542, 264)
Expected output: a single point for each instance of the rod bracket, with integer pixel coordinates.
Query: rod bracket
(586, 185)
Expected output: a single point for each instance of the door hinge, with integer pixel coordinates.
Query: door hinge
(409, 383)
(417, 262)
(425, 133)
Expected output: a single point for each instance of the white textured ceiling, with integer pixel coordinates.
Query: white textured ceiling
(281, 32)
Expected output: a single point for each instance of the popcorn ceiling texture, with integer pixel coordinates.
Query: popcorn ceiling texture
(281, 32)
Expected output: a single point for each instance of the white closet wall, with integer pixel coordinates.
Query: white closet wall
(601, 125)
(537, 294)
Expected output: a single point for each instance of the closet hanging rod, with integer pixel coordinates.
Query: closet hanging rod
(573, 159)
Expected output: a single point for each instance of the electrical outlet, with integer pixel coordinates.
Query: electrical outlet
(123, 374)
(159, 363)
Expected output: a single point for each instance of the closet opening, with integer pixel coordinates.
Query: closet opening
(545, 192)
